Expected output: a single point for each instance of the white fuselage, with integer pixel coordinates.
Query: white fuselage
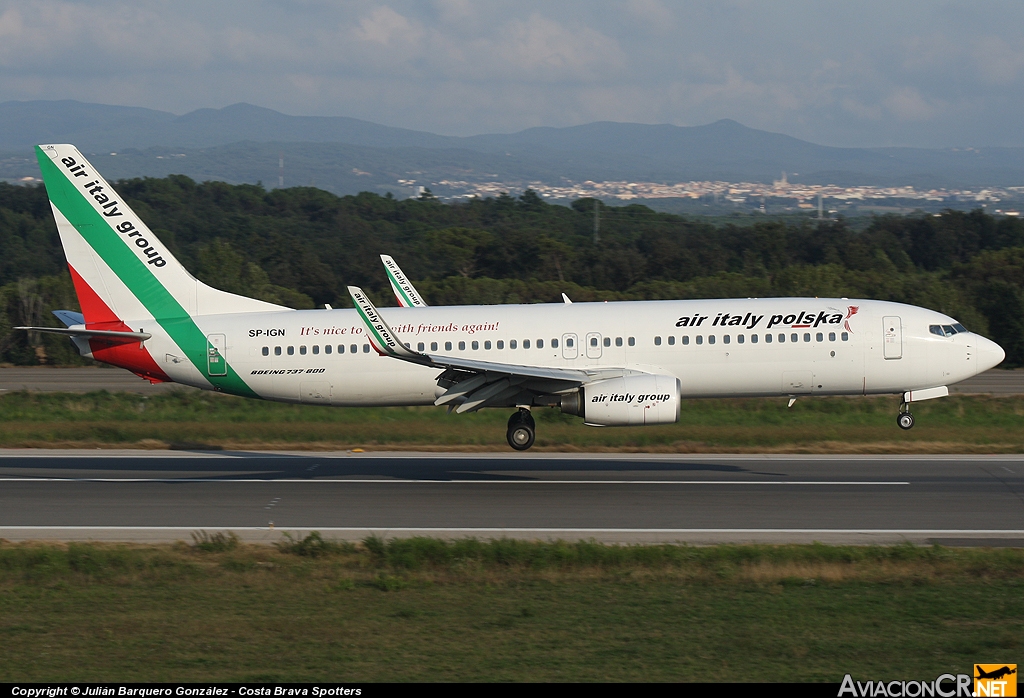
(817, 346)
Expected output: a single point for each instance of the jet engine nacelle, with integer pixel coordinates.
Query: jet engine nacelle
(627, 401)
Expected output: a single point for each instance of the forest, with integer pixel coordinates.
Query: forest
(301, 246)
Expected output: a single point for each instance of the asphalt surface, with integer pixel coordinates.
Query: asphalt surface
(81, 380)
(165, 496)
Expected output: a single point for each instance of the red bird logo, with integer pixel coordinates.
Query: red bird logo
(851, 310)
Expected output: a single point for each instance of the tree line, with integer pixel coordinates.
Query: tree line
(302, 246)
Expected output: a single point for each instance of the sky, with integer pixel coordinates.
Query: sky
(921, 73)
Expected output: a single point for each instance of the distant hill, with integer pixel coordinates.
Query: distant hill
(238, 143)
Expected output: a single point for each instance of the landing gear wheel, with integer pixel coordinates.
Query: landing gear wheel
(522, 430)
(905, 420)
(521, 437)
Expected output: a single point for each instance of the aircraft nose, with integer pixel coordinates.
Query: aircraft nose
(990, 354)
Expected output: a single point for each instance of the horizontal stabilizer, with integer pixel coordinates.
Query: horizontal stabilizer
(106, 335)
(69, 317)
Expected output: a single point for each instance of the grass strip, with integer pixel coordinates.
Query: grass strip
(432, 610)
(957, 424)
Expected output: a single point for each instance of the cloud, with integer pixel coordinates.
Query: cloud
(833, 72)
(907, 104)
(999, 62)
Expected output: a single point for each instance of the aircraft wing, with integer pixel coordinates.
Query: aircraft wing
(472, 384)
(405, 292)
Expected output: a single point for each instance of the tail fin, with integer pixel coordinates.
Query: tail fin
(120, 269)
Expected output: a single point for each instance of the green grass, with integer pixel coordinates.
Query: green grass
(953, 424)
(429, 610)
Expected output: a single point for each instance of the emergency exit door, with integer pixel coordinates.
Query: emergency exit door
(892, 337)
(216, 361)
(569, 348)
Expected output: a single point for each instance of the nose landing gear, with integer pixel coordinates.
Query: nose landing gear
(522, 430)
(905, 420)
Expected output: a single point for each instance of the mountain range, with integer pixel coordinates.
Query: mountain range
(242, 143)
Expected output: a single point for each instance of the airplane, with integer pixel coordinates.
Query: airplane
(613, 364)
(995, 673)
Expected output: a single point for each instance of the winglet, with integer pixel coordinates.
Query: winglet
(565, 299)
(405, 292)
(382, 337)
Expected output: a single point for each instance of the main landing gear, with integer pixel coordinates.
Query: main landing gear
(522, 430)
(904, 419)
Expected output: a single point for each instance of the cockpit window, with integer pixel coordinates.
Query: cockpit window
(946, 330)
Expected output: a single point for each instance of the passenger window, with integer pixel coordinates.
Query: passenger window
(302, 349)
(700, 339)
(447, 346)
(807, 336)
(554, 343)
(266, 351)
(768, 338)
(686, 339)
(831, 336)
(672, 340)
(711, 339)
(316, 349)
(487, 344)
(291, 351)
(366, 348)
(819, 337)
(593, 341)
(341, 348)
(844, 336)
(739, 339)
(632, 341)
(433, 346)
(327, 349)
(501, 344)
(726, 339)
(277, 351)
(512, 344)
(753, 339)
(354, 348)
(540, 343)
(657, 341)
(618, 341)
(462, 346)
(421, 346)
(795, 338)
(607, 341)
(526, 344)
(782, 338)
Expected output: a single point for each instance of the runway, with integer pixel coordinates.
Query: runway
(165, 496)
(81, 380)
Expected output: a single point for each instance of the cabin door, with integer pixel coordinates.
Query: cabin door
(892, 337)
